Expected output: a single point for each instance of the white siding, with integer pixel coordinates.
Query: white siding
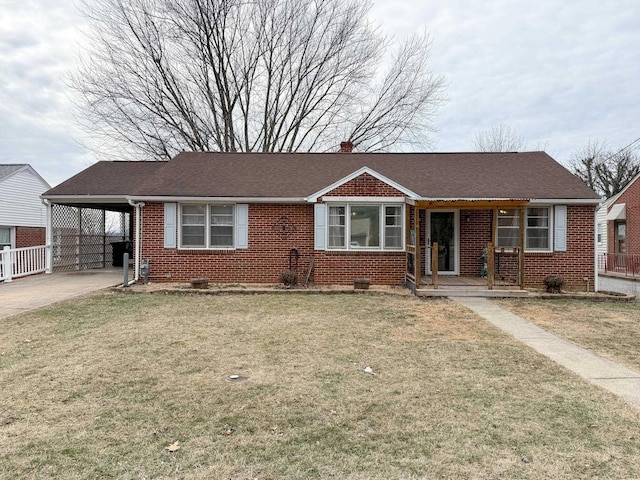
(20, 203)
(601, 218)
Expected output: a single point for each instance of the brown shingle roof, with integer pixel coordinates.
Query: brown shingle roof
(108, 178)
(269, 175)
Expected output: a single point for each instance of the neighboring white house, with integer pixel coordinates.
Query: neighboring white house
(601, 226)
(23, 217)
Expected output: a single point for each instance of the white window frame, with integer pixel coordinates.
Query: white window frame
(12, 237)
(550, 229)
(347, 227)
(599, 229)
(207, 227)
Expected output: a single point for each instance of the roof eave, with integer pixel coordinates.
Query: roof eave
(182, 198)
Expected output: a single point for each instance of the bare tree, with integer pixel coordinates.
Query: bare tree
(498, 139)
(606, 171)
(162, 76)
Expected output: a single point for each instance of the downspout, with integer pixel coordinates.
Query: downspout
(596, 274)
(48, 238)
(138, 236)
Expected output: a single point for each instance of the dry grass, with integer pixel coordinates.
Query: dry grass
(610, 329)
(98, 388)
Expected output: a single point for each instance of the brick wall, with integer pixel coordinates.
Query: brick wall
(631, 198)
(367, 186)
(264, 261)
(574, 264)
(30, 236)
(475, 234)
(268, 254)
(340, 268)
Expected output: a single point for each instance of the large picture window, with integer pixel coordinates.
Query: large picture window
(206, 226)
(365, 227)
(537, 234)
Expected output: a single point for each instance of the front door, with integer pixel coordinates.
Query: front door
(442, 229)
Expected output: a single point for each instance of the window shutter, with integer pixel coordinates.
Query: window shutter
(170, 230)
(560, 219)
(242, 226)
(320, 226)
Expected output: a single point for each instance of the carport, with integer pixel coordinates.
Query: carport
(92, 210)
(82, 237)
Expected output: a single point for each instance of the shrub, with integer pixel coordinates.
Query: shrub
(554, 283)
(289, 278)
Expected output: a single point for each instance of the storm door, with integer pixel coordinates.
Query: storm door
(442, 229)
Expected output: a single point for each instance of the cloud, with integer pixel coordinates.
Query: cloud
(558, 73)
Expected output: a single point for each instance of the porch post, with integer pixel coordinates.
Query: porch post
(521, 249)
(104, 238)
(417, 259)
(490, 266)
(48, 252)
(491, 256)
(434, 264)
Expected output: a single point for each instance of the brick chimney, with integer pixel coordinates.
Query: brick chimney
(346, 147)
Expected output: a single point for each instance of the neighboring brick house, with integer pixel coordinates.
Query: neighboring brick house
(246, 217)
(23, 217)
(618, 228)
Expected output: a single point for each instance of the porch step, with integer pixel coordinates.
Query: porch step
(464, 292)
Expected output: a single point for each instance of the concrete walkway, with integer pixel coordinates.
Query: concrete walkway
(30, 293)
(618, 379)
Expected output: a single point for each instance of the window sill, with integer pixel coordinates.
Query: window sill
(203, 251)
(345, 251)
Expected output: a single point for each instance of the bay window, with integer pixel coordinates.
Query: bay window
(365, 227)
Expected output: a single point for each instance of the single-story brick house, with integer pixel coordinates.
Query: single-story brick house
(23, 217)
(237, 217)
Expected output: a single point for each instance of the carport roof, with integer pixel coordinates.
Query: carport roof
(527, 175)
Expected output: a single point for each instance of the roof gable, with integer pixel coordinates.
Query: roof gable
(352, 176)
(629, 186)
(9, 170)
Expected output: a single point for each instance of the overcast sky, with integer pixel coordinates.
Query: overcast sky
(560, 73)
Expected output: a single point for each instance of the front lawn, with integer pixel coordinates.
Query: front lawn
(610, 329)
(98, 387)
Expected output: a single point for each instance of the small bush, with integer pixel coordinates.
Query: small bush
(554, 283)
(289, 278)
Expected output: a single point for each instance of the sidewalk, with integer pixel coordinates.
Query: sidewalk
(618, 379)
(30, 293)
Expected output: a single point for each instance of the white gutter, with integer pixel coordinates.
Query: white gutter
(568, 201)
(546, 201)
(217, 199)
(138, 237)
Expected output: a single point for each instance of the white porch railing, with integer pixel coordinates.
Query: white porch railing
(20, 262)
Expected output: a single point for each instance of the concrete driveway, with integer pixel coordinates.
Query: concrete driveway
(30, 293)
